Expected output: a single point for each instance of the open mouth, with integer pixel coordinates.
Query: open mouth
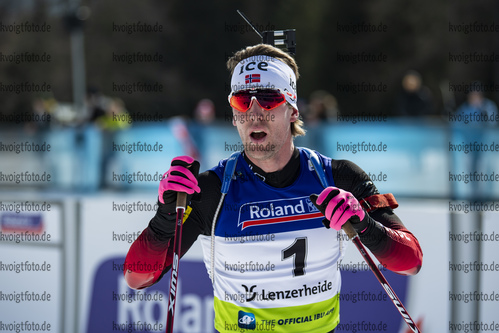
(258, 135)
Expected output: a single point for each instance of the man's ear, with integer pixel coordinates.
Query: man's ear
(294, 114)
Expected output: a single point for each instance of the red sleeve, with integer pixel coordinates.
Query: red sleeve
(394, 246)
(146, 260)
(402, 252)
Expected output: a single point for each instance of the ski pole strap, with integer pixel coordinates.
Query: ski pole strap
(378, 201)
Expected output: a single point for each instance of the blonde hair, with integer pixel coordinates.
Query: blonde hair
(274, 52)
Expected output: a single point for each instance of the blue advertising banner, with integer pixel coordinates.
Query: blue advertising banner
(364, 305)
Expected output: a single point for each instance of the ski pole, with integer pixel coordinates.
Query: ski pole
(352, 234)
(181, 204)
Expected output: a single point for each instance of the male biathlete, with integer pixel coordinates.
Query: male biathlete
(273, 253)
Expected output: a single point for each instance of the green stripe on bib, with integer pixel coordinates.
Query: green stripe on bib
(317, 317)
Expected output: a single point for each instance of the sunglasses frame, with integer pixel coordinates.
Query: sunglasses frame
(256, 98)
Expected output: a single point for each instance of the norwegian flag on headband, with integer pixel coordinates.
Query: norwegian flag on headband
(251, 78)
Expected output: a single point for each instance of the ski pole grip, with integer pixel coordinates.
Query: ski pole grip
(181, 200)
(349, 230)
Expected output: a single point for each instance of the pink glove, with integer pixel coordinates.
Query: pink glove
(338, 206)
(181, 177)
